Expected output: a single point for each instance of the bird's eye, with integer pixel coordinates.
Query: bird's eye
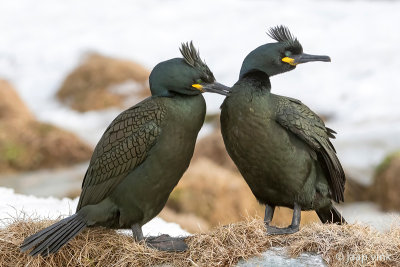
(199, 81)
(288, 53)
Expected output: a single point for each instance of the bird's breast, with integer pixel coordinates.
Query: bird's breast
(170, 156)
(183, 119)
(184, 115)
(266, 154)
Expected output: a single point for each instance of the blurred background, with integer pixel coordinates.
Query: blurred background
(67, 68)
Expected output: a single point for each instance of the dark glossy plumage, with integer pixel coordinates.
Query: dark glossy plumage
(306, 125)
(140, 157)
(124, 145)
(280, 146)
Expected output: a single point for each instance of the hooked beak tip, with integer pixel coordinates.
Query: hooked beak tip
(217, 87)
(304, 58)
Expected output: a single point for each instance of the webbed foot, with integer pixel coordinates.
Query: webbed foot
(272, 230)
(167, 243)
(293, 228)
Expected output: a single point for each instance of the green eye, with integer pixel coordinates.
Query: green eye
(288, 53)
(199, 81)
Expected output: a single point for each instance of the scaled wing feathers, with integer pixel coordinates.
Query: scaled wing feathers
(124, 146)
(306, 125)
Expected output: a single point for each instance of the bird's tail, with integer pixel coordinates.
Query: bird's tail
(330, 215)
(52, 238)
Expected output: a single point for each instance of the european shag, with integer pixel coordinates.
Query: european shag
(280, 146)
(140, 157)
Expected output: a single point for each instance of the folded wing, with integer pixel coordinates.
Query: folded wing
(124, 146)
(306, 125)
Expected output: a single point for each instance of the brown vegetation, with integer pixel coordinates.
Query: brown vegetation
(26, 144)
(223, 246)
(11, 105)
(93, 85)
(386, 186)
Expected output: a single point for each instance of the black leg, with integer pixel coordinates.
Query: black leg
(137, 232)
(293, 228)
(269, 214)
(296, 217)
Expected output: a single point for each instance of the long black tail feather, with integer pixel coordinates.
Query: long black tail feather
(330, 215)
(52, 238)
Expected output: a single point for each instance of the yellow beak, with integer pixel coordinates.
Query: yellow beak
(198, 87)
(289, 60)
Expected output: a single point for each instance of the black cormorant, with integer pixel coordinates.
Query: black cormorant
(140, 157)
(280, 146)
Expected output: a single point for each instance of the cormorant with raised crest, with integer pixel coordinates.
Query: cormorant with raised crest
(280, 146)
(140, 157)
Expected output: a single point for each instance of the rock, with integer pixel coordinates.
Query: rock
(26, 144)
(102, 82)
(221, 196)
(212, 147)
(278, 257)
(355, 192)
(386, 186)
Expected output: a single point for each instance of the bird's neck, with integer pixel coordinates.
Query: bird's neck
(160, 91)
(258, 80)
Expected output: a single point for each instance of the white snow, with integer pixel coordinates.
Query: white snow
(14, 205)
(41, 41)
(280, 257)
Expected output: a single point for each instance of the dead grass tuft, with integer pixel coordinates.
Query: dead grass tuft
(386, 186)
(224, 246)
(27, 144)
(99, 83)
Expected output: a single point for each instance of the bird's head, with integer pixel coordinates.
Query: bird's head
(275, 58)
(186, 76)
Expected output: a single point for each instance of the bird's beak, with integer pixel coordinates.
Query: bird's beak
(303, 58)
(214, 87)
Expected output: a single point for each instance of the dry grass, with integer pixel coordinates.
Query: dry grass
(223, 246)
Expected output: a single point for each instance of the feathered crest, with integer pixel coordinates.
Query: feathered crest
(192, 57)
(190, 54)
(282, 34)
